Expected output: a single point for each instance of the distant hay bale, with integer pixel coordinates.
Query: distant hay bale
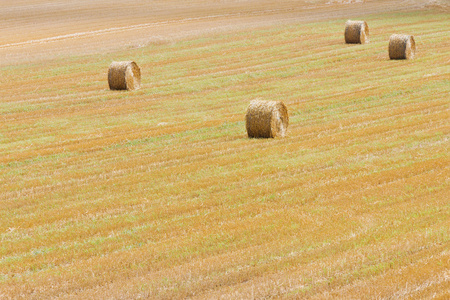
(266, 119)
(401, 46)
(124, 75)
(356, 32)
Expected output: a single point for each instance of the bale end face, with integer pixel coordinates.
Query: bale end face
(402, 46)
(124, 75)
(356, 32)
(266, 119)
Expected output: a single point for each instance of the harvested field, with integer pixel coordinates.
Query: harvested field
(35, 30)
(159, 193)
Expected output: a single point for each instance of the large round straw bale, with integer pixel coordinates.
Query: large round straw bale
(124, 75)
(266, 119)
(401, 46)
(356, 32)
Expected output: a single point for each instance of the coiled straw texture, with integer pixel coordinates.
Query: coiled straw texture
(124, 75)
(266, 119)
(356, 32)
(402, 46)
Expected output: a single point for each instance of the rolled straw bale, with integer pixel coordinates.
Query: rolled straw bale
(266, 119)
(124, 75)
(401, 46)
(356, 32)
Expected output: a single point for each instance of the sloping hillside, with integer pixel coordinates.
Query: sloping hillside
(158, 193)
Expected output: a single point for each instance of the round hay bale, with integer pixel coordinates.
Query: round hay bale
(356, 32)
(401, 46)
(266, 119)
(124, 75)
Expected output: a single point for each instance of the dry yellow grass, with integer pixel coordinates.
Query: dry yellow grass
(35, 30)
(160, 194)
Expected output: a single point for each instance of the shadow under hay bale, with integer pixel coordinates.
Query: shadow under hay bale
(124, 75)
(402, 46)
(266, 119)
(356, 32)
